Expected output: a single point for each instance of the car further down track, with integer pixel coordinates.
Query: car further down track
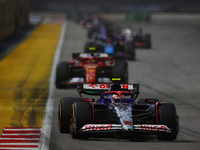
(90, 68)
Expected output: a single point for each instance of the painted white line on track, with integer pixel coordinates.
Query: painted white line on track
(21, 148)
(47, 120)
(30, 134)
(21, 129)
(19, 138)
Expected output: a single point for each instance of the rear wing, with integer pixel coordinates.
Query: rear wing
(86, 55)
(98, 89)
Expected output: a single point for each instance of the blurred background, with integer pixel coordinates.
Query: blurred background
(14, 13)
(170, 70)
(116, 5)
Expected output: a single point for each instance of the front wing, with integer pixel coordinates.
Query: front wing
(88, 128)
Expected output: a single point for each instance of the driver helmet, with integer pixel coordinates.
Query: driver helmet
(115, 98)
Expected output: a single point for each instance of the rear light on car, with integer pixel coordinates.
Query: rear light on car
(150, 101)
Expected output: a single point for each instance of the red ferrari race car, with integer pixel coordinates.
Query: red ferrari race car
(90, 68)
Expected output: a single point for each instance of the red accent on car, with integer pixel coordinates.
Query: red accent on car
(91, 73)
(153, 128)
(71, 62)
(150, 100)
(89, 100)
(157, 110)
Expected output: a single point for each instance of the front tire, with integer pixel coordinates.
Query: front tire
(168, 117)
(64, 109)
(81, 114)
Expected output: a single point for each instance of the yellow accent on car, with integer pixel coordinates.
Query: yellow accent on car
(92, 48)
(116, 79)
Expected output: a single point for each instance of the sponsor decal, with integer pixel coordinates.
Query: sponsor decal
(96, 86)
(161, 128)
(91, 70)
(127, 86)
(106, 86)
(99, 127)
(127, 122)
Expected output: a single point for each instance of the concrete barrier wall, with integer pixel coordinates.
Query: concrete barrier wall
(13, 15)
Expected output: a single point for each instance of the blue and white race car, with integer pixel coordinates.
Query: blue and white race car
(116, 111)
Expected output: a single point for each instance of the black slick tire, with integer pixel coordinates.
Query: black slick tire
(147, 39)
(62, 73)
(167, 116)
(82, 113)
(64, 109)
(130, 49)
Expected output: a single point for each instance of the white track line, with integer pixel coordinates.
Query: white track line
(21, 134)
(19, 138)
(13, 148)
(21, 129)
(47, 120)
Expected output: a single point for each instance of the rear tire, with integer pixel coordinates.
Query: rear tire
(62, 73)
(168, 117)
(82, 113)
(130, 49)
(64, 109)
(121, 71)
(147, 39)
